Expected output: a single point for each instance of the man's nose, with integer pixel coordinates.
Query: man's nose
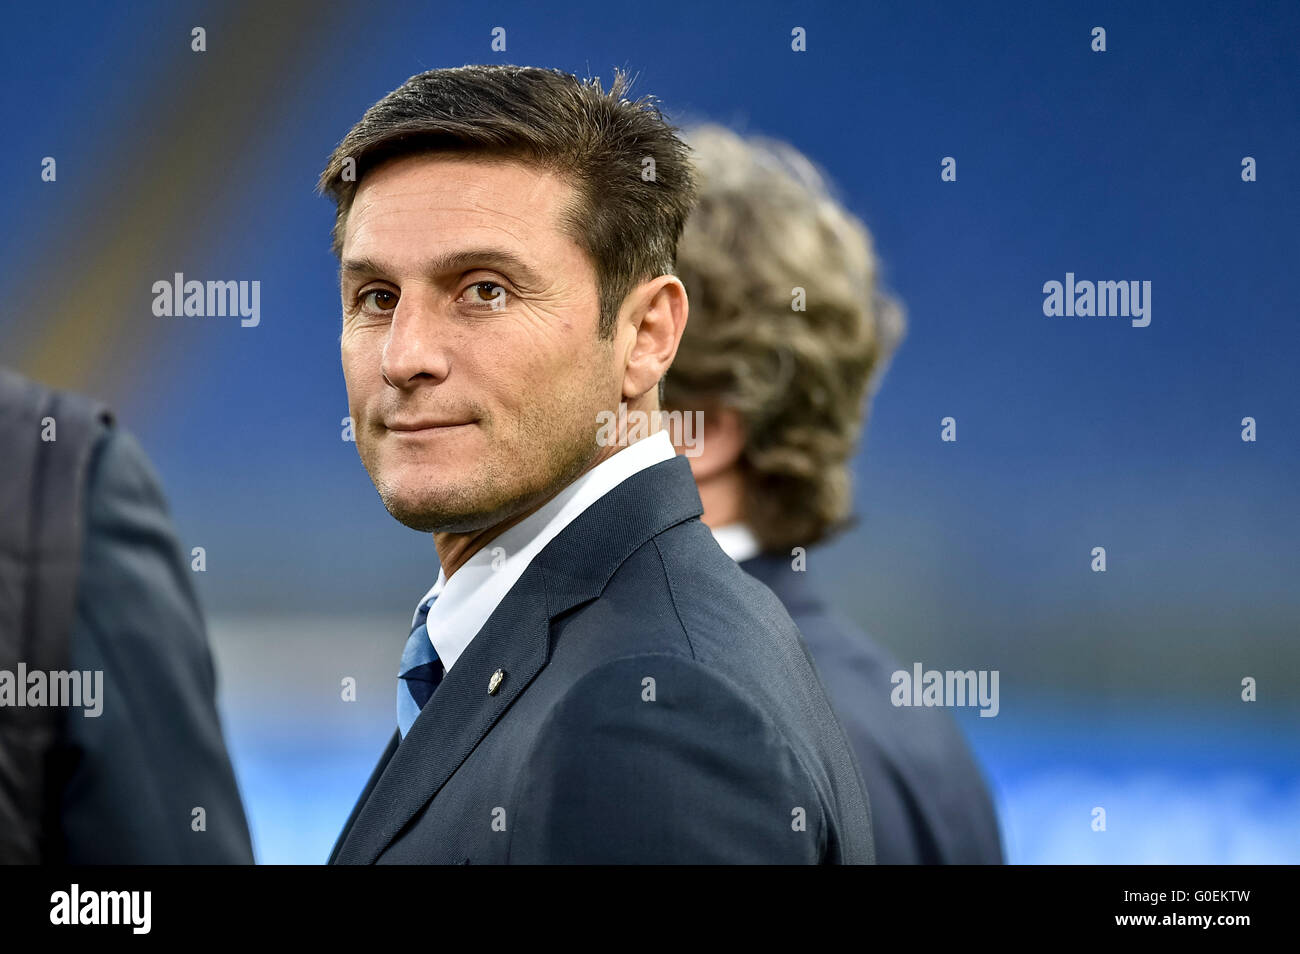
(418, 344)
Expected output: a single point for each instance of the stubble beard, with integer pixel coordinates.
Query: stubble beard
(495, 494)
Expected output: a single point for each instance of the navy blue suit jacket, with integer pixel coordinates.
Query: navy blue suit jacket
(656, 706)
(929, 803)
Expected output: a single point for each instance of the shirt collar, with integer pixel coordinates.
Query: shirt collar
(737, 541)
(465, 601)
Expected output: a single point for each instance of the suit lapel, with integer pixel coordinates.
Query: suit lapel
(515, 640)
(365, 794)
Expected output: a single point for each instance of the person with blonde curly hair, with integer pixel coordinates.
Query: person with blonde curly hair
(789, 335)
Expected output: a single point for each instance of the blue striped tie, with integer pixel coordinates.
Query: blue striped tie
(420, 673)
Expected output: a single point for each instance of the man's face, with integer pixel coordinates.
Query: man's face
(470, 349)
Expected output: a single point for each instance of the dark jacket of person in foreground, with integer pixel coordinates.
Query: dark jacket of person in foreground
(636, 698)
(92, 580)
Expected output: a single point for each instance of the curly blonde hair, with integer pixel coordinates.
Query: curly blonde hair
(767, 225)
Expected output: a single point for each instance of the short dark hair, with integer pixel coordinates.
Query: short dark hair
(633, 179)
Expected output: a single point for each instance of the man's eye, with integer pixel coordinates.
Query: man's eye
(487, 294)
(379, 299)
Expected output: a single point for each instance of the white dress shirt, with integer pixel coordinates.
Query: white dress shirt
(474, 591)
(737, 541)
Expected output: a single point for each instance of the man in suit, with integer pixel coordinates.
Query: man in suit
(783, 392)
(590, 679)
(93, 583)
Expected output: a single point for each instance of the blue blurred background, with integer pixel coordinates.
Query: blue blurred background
(1119, 689)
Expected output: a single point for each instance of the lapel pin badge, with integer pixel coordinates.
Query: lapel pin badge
(495, 682)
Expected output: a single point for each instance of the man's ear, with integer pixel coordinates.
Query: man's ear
(720, 443)
(649, 331)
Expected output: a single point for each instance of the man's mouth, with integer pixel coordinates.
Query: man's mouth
(425, 425)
